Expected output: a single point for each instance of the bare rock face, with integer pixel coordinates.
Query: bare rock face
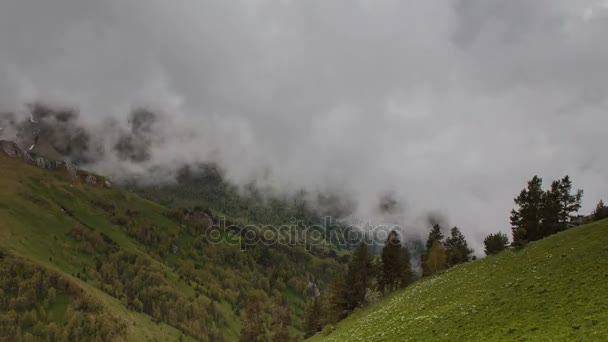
(90, 179)
(41, 162)
(72, 170)
(199, 217)
(44, 163)
(313, 290)
(13, 150)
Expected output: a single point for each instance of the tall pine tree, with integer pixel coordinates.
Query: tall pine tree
(391, 263)
(551, 208)
(569, 203)
(358, 277)
(407, 275)
(600, 212)
(526, 219)
(434, 235)
(337, 306)
(313, 318)
(457, 249)
(348, 292)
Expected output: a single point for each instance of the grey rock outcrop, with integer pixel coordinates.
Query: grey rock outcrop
(49, 164)
(71, 168)
(90, 179)
(312, 290)
(13, 150)
(199, 217)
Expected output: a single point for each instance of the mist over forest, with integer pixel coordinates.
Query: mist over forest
(446, 107)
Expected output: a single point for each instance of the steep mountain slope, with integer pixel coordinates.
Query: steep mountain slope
(552, 290)
(140, 263)
(35, 229)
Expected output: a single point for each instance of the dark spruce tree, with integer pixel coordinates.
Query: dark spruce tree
(313, 318)
(600, 212)
(457, 249)
(526, 218)
(407, 275)
(551, 208)
(358, 277)
(337, 302)
(569, 203)
(348, 292)
(392, 267)
(434, 235)
(495, 243)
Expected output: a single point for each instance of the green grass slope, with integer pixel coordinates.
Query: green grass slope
(555, 289)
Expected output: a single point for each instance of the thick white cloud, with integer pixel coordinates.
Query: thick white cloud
(451, 105)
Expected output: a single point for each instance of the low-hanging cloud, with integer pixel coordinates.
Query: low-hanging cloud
(448, 106)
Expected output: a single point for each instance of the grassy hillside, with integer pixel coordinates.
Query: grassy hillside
(136, 261)
(34, 227)
(552, 290)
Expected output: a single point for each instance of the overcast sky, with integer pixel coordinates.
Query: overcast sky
(450, 105)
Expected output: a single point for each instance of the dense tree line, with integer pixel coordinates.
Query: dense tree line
(541, 213)
(368, 278)
(442, 254)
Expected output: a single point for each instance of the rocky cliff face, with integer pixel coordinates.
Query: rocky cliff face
(199, 217)
(13, 150)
